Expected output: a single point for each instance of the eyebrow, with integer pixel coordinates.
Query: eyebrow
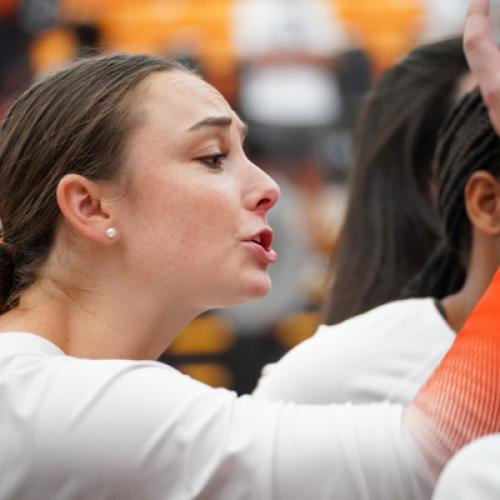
(218, 122)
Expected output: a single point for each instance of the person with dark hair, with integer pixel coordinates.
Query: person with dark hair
(128, 208)
(389, 352)
(389, 228)
(390, 231)
(467, 168)
(473, 473)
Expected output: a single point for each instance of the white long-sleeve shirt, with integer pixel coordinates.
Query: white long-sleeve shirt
(75, 428)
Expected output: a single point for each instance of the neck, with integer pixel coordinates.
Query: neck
(111, 324)
(482, 267)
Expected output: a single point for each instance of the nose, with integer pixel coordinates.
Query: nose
(262, 191)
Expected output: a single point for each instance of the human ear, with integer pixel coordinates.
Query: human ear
(482, 202)
(80, 202)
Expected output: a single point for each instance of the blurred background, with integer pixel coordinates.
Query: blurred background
(296, 71)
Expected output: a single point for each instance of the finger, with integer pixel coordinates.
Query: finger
(483, 54)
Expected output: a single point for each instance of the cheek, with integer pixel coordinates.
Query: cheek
(207, 225)
(194, 219)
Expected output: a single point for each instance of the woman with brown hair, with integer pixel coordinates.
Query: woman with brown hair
(128, 208)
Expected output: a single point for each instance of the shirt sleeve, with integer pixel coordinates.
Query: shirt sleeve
(112, 430)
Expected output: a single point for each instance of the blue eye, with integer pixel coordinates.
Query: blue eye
(213, 161)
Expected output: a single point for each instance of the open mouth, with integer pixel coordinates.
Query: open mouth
(264, 239)
(261, 246)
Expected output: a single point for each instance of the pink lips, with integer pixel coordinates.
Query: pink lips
(260, 245)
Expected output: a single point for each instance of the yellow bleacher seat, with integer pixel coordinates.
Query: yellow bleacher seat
(386, 29)
(214, 374)
(208, 334)
(52, 49)
(296, 327)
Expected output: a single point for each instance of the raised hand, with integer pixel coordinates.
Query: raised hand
(483, 56)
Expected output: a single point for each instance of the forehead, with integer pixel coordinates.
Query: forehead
(179, 100)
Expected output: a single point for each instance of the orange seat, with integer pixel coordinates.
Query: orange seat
(208, 334)
(161, 27)
(386, 29)
(296, 327)
(51, 49)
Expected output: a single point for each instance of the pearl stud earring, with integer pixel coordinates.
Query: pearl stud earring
(111, 232)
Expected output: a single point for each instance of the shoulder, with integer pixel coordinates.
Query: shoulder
(363, 359)
(392, 313)
(34, 370)
(473, 472)
(393, 323)
(82, 394)
(84, 391)
(383, 328)
(125, 423)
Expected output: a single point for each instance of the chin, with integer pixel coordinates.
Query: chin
(256, 289)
